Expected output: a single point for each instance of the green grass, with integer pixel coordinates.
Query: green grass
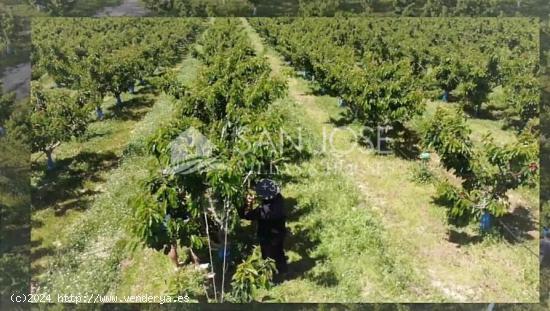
(337, 248)
(90, 250)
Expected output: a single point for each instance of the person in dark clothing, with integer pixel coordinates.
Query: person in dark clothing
(271, 221)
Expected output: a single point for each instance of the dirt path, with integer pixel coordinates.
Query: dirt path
(17, 79)
(460, 273)
(126, 8)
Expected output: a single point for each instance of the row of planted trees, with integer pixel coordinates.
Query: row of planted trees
(228, 111)
(90, 59)
(203, 8)
(378, 66)
(8, 30)
(426, 8)
(53, 7)
(383, 70)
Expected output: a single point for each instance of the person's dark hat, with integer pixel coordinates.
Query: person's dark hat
(267, 189)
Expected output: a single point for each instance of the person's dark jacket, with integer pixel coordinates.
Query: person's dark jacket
(271, 218)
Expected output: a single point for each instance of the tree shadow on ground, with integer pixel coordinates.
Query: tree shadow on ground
(39, 251)
(89, 135)
(147, 88)
(64, 187)
(131, 110)
(300, 240)
(462, 238)
(484, 113)
(405, 142)
(515, 227)
(344, 118)
(519, 225)
(317, 90)
(277, 8)
(399, 140)
(13, 235)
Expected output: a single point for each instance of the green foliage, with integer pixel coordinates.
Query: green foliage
(231, 104)
(54, 7)
(403, 7)
(368, 5)
(319, 7)
(509, 166)
(13, 274)
(119, 53)
(381, 68)
(422, 174)
(522, 97)
(377, 91)
(467, 206)
(435, 8)
(187, 283)
(474, 87)
(447, 74)
(57, 116)
(448, 134)
(169, 84)
(202, 8)
(7, 105)
(252, 275)
(380, 72)
(488, 173)
(475, 8)
(162, 196)
(7, 28)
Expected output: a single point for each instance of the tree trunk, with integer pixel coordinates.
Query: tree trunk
(173, 254)
(50, 163)
(99, 113)
(118, 100)
(194, 257)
